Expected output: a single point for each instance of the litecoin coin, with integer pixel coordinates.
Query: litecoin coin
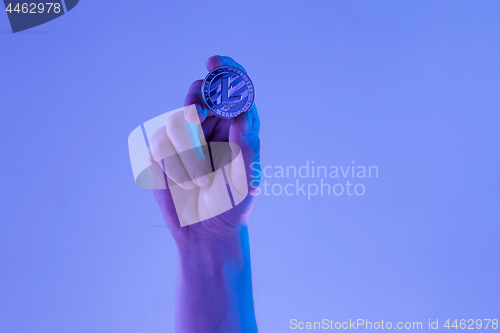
(228, 91)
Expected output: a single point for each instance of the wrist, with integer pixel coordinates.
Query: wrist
(210, 253)
(215, 285)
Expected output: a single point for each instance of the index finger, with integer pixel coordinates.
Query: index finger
(195, 110)
(216, 61)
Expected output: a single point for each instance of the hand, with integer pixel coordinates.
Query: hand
(181, 154)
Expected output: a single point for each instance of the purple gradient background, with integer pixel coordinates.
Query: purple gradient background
(412, 87)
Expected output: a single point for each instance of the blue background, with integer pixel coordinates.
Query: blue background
(410, 86)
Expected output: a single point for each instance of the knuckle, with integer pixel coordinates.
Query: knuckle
(157, 141)
(175, 123)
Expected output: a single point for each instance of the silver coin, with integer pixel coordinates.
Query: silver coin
(228, 91)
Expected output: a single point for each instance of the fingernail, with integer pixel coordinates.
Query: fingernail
(188, 184)
(192, 114)
(150, 156)
(202, 178)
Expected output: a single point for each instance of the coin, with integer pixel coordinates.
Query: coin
(228, 91)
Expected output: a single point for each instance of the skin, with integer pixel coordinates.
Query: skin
(214, 285)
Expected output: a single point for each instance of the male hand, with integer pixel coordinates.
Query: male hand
(181, 154)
